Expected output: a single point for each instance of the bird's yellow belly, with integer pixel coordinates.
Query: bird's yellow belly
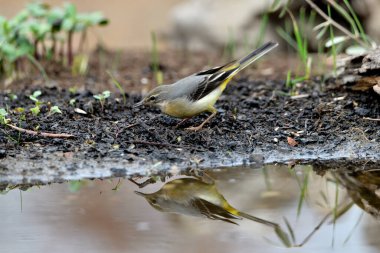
(184, 108)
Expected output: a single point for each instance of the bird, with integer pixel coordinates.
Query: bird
(198, 93)
(195, 197)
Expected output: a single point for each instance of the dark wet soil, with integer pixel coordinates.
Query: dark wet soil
(257, 122)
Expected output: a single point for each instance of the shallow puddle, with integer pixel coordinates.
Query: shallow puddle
(108, 216)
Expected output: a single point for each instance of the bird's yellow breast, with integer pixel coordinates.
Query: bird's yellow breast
(185, 108)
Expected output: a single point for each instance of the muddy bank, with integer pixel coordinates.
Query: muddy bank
(257, 122)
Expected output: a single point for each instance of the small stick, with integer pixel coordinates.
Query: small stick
(50, 135)
(155, 144)
(366, 118)
(131, 125)
(315, 230)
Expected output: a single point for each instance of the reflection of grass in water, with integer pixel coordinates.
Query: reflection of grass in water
(117, 186)
(76, 185)
(290, 229)
(335, 212)
(267, 179)
(354, 227)
(303, 188)
(20, 200)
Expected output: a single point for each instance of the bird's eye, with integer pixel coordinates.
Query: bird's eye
(153, 201)
(152, 98)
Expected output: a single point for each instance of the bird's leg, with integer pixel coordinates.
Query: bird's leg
(143, 184)
(197, 128)
(181, 122)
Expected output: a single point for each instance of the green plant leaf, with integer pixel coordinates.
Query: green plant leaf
(36, 93)
(70, 10)
(35, 110)
(12, 96)
(106, 93)
(68, 24)
(75, 186)
(37, 9)
(55, 109)
(3, 112)
(97, 18)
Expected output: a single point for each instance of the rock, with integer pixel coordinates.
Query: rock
(200, 25)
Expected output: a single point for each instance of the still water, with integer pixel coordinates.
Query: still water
(109, 216)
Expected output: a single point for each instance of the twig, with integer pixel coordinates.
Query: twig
(315, 229)
(338, 26)
(43, 134)
(155, 144)
(372, 119)
(131, 125)
(299, 96)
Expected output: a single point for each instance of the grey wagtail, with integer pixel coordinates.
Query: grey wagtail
(199, 92)
(194, 197)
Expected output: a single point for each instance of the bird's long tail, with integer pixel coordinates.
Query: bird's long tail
(256, 54)
(259, 220)
(231, 69)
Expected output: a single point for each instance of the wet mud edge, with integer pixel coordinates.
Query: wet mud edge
(256, 124)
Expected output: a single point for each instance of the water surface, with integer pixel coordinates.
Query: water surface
(107, 216)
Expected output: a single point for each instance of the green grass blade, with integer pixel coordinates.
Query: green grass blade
(288, 83)
(275, 6)
(333, 48)
(38, 66)
(262, 30)
(291, 42)
(357, 21)
(302, 52)
(118, 86)
(343, 12)
(155, 60)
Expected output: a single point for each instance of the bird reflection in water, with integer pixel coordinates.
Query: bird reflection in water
(197, 195)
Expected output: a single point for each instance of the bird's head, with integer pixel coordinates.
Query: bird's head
(153, 199)
(155, 97)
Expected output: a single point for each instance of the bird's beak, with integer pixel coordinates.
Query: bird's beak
(140, 193)
(138, 104)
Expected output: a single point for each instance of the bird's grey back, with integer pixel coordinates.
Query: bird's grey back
(186, 86)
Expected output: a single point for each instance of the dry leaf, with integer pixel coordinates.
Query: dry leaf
(292, 142)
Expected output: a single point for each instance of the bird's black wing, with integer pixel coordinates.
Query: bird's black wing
(213, 78)
(213, 211)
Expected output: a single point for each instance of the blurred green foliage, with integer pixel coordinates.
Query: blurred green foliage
(38, 30)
